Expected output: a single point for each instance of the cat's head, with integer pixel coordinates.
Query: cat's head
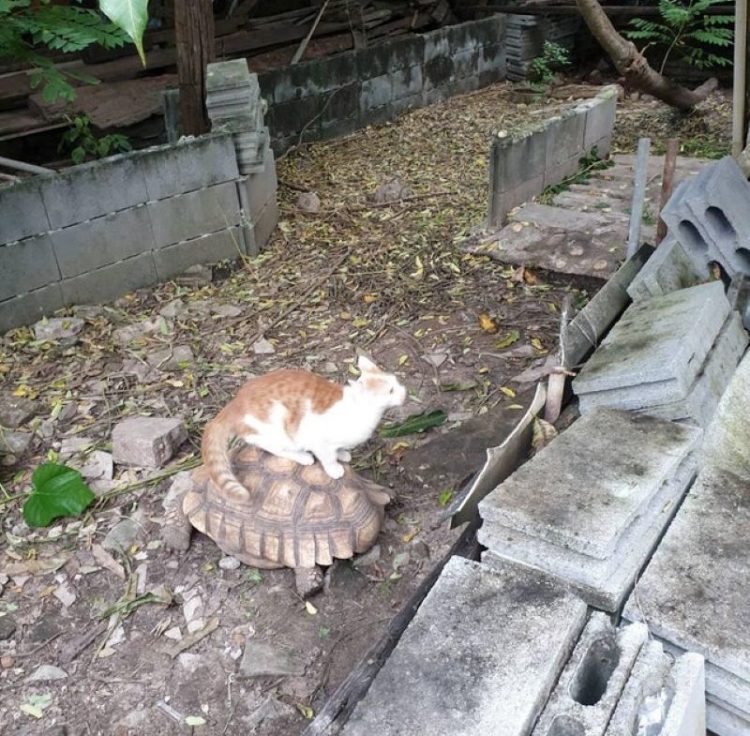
(382, 388)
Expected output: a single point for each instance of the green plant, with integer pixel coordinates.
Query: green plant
(28, 28)
(81, 141)
(686, 29)
(554, 58)
(58, 491)
(588, 163)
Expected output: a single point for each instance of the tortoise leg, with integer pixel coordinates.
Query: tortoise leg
(177, 528)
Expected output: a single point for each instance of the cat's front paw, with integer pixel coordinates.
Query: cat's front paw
(343, 456)
(334, 470)
(304, 458)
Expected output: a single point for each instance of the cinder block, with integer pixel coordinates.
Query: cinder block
(188, 216)
(661, 697)
(22, 208)
(669, 269)
(564, 146)
(502, 202)
(584, 489)
(261, 187)
(442, 679)
(384, 58)
(147, 442)
(107, 283)
(194, 164)
(376, 92)
(602, 583)
(600, 119)
(515, 161)
(659, 345)
(103, 241)
(93, 189)
(437, 44)
(26, 265)
(593, 679)
(437, 73)
(210, 248)
(265, 223)
(406, 82)
(30, 307)
(693, 594)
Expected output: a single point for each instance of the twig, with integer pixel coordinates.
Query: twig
(39, 648)
(303, 44)
(193, 639)
(298, 303)
(302, 132)
(187, 465)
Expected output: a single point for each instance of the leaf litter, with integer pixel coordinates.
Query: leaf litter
(364, 271)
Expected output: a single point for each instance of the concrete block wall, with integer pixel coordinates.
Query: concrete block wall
(102, 229)
(335, 96)
(522, 166)
(525, 36)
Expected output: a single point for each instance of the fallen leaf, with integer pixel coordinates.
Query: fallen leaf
(310, 608)
(34, 566)
(487, 323)
(508, 391)
(445, 497)
(508, 340)
(195, 721)
(410, 535)
(306, 710)
(542, 433)
(58, 491)
(414, 424)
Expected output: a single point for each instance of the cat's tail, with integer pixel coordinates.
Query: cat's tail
(215, 454)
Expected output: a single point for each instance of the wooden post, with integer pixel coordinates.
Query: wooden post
(667, 182)
(194, 35)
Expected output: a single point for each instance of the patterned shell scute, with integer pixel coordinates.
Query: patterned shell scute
(294, 515)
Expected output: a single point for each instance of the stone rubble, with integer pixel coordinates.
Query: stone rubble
(147, 442)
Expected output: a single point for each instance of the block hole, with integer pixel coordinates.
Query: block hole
(689, 236)
(592, 677)
(566, 726)
(743, 254)
(718, 222)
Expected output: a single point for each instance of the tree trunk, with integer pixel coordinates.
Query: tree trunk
(194, 35)
(633, 65)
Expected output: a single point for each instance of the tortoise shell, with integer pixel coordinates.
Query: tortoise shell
(294, 515)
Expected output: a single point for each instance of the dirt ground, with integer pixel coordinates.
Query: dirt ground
(465, 334)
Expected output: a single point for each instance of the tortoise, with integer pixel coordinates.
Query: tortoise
(295, 516)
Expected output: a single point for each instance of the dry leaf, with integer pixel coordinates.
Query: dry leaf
(487, 323)
(508, 391)
(542, 434)
(310, 608)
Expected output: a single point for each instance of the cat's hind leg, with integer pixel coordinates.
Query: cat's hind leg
(328, 459)
(343, 456)
(278, 449)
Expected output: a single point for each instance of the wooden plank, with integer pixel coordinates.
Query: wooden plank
(639, 197)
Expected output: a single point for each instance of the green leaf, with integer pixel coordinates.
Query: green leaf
(414, 424)
(131, 16)
(508, 340)
(58, 491)
(446, 497)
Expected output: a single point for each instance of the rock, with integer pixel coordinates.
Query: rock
(99, 466)
(174, 633)
(198, 275)
(147, 441)
(133, 723)
(173, 309)
(227, 310)
(271, 710)
(6, 661)
(71, 445)
(65, 594)
(7, 627)
(121, 536)
(261, 659)
(367, 558)
(229, 563)
(46, 673)
(391, 191)
(127, 334)
(58, 328)
(263, 347)
(192, 609)
(308, 202)
(15, 411)
(308, 580)
(14, 443)
(88, 311)
(171, 359)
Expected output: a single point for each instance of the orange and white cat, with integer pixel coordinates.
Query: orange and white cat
(300, 416)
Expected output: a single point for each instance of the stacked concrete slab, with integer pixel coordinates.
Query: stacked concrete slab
(481, 656)
(671, 356)
(235, 106)
(694, 593)
(669, 269)
(525, 36)
(710, 216)
(590, 508)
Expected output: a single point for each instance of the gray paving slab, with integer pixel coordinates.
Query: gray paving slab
(669, 269)
(701, 402)
(728, 435)
(584, 489)
(687, 712)
(724, 723)
(593, 679)
(694, 592)
(603, 584)
(481, 655)
(661, 342)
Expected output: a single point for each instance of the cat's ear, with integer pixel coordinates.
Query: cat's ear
(366, 365)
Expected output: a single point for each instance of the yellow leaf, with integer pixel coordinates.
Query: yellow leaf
(508, 391)
(410, 535)
(400, 446)
(487, 323)
(306, 711)
(537, 343)
(420, 268)
(352, 369)
(360, 322)
(370, 298)
(310, 608)
(515, 406)
(403, 359)
(22, 390)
